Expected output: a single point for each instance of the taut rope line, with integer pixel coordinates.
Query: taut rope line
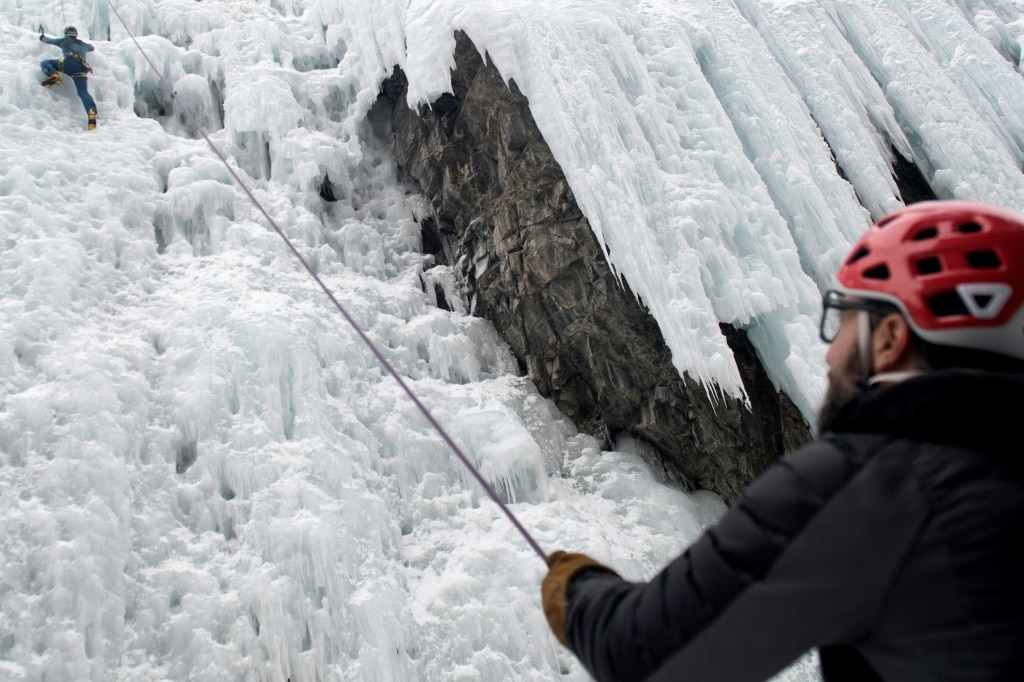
(488, 488)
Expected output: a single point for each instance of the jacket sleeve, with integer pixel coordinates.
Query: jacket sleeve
(51, 41)
(803, 558)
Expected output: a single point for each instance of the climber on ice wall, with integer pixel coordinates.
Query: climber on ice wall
(73, 64)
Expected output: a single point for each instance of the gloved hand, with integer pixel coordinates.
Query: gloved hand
(554, 590)
(41, 35)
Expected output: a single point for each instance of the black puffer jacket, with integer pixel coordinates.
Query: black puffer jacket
(895, 543)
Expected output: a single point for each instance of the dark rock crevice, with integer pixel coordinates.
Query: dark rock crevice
(910, 180)
(534, 268)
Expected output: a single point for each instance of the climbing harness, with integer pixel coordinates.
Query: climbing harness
(77, 74)
(488, 488)
(82, 61)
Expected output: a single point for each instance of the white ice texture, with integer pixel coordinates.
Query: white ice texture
(204, 474)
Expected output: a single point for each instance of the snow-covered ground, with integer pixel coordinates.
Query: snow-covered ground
(204, 474)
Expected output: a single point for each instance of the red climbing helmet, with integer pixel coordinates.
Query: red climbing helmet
(955, 269)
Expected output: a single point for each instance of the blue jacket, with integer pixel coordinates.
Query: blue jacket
(73, 48)
(894, 543)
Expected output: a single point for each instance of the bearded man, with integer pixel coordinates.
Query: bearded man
(893, 543)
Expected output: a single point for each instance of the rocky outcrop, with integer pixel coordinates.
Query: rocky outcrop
(534, 268)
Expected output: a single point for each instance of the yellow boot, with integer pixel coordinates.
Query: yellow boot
(92, 119)
(52, 79)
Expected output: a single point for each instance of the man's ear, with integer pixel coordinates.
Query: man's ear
(893, 348)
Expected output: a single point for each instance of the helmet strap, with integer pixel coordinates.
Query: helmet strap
(864, 343)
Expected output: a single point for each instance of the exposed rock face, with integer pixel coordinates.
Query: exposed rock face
(534, 268)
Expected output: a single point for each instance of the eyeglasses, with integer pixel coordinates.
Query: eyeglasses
(833, 303)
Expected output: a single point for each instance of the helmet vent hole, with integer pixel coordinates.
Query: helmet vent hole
(862, 252)
(947, 304)
(926, 233)
(983, 260)
(929, 266)
(968, 228)
(983, 300)
(877, 272)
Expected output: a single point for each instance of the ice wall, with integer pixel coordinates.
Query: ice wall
(203, 473)
(699, 139)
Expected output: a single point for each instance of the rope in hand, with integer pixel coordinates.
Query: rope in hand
(488, 488)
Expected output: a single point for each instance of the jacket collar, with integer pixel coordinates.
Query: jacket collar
(976, 410)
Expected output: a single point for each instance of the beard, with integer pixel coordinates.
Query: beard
(843, 386)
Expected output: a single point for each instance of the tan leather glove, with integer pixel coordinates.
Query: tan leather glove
(554, 590)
